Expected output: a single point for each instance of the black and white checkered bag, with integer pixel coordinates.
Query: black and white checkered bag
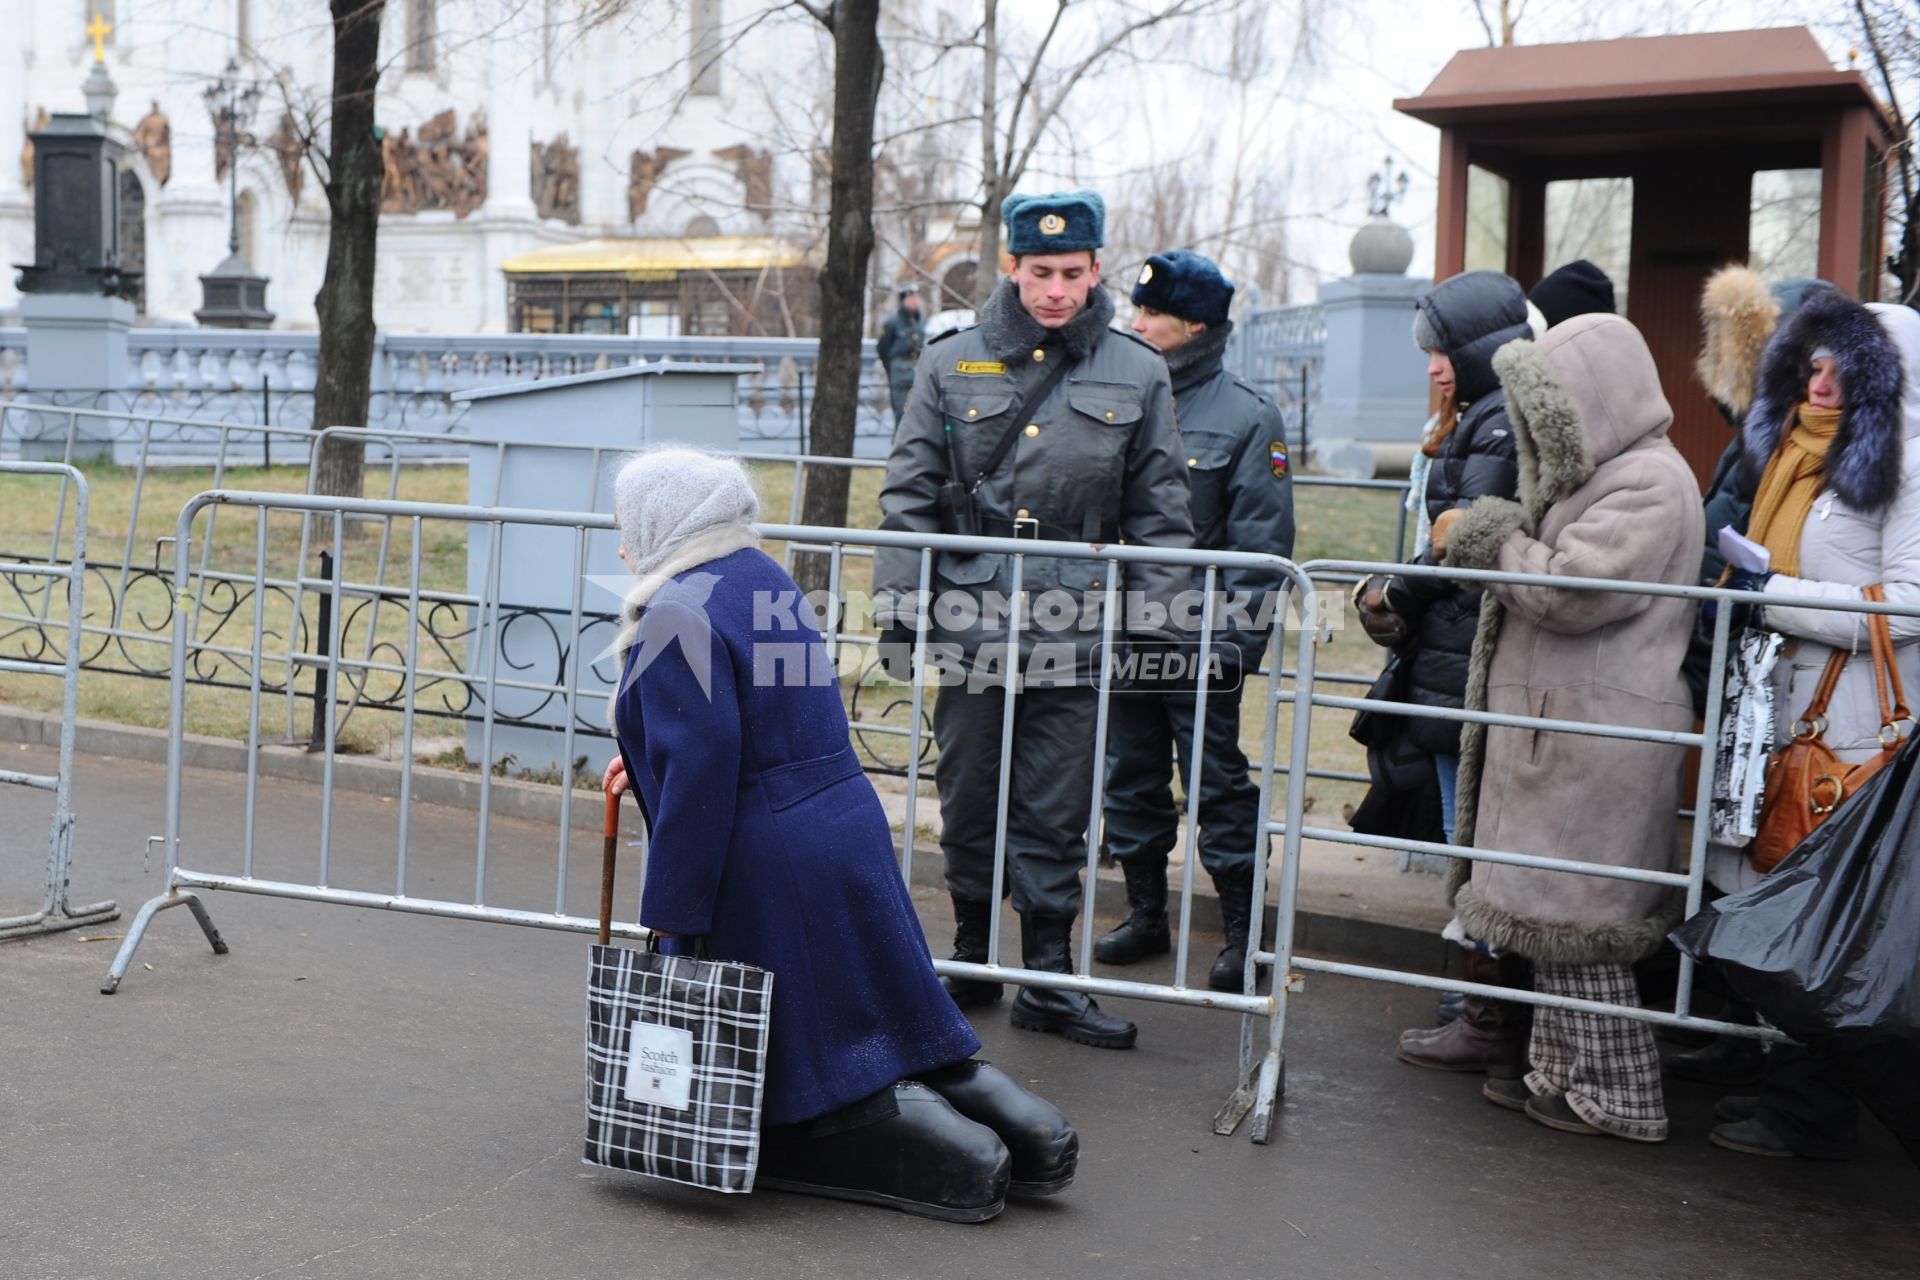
(676, 1060)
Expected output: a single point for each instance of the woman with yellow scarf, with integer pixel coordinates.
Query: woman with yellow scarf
(1831, 436)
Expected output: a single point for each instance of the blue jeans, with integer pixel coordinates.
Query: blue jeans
(1447, 770)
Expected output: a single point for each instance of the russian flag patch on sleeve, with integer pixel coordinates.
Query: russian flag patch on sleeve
(1277, 458)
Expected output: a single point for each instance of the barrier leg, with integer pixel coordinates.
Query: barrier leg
(171, 898)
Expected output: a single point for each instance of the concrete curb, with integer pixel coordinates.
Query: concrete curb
(1352, 937)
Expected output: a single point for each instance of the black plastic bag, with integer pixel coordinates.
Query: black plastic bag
(1827, 947)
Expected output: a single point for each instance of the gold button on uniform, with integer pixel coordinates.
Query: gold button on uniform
(1033, 428)
(1021, 514)
(1038, 354)
(1193, 462)
(1109, 415)
(973, 413)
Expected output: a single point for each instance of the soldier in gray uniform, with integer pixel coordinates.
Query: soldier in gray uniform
(902, 338)
(1040, 422)
(1236, 457)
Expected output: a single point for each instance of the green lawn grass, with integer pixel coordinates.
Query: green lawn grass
(1331, 523)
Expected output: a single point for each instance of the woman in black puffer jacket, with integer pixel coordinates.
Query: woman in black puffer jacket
(1459, 323)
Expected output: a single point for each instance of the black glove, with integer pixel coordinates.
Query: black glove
(895, 651)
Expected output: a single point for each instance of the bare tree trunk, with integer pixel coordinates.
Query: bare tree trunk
(857, 73)
(343, 381)
(986, 276)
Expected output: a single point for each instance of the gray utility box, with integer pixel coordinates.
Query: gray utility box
(555, 445)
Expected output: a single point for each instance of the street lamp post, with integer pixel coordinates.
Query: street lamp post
(233, 295)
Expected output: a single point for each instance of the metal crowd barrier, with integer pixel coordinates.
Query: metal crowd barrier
(55, 912)
(1692, 880)
(191, 869)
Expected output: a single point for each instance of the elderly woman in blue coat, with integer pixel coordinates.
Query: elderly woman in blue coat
(768, 842)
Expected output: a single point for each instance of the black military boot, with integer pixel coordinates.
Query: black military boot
(1144, 932)
(1236, 916)
(1046, 944)
(971, 923)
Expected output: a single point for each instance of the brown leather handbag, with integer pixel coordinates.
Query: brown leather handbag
(1805, 779)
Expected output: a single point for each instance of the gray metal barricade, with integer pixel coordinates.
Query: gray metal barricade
(1692, 880)
(56, 912)
(188, 871)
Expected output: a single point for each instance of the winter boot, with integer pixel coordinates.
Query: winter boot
(1236, 916)
(927, 1160)
(971, 924)
(1145, 931)
(1489, 1035)
(1725, 1060)
(1046, 943)
(1045, 1149)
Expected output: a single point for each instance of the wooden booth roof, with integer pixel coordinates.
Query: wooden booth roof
(1773, 68)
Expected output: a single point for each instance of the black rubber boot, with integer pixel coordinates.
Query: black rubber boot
(971, 922)
(1046, 944)
(1236, 916)
(1144, 932)
(1044, 1147)
(927, 1160)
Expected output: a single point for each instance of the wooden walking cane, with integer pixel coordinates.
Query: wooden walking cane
(611, 836)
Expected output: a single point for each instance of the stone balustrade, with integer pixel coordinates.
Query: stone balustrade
(250, 375)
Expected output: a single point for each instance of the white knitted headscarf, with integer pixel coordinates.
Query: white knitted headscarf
(678, 509)
(666, 497)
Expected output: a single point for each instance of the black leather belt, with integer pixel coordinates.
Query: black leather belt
(1035, 530)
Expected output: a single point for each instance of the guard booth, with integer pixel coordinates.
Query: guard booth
(1661, 160)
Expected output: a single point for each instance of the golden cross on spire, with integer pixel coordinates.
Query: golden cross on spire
(97, 31)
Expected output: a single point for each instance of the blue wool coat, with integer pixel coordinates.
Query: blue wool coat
(767, 837)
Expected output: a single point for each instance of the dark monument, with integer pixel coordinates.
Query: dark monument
(76, 212)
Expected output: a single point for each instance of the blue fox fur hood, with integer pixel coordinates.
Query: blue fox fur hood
(1863, 467)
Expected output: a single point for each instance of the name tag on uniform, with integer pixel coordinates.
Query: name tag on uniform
(659, 1065)
(980, 366)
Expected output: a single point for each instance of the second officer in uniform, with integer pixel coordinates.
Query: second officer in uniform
(1040, 422)
(1236, 457)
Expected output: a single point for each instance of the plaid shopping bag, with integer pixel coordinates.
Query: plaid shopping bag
(676, 1059)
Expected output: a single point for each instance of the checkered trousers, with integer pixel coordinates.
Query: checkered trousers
(715, 1142)
(1607, 1067)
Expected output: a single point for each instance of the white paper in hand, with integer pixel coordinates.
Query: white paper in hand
(1743, 553)
(659, 1065)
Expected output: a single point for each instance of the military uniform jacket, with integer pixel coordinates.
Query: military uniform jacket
(1099, 460)
(1242, 483)
(902, 339)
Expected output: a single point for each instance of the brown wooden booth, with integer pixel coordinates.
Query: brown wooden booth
(1690, 120)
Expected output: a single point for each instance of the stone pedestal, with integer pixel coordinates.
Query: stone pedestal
(1373, 382)
(76, 353)
(555, 445)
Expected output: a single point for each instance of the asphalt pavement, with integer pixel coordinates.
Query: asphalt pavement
(360, 1094)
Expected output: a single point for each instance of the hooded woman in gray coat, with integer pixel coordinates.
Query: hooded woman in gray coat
(1603, 494)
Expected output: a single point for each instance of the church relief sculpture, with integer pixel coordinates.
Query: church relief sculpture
(440, 168)
(556, 180)
(291, 153)
(754, 169)
(38, 123)
(154, 137)
(643, 171)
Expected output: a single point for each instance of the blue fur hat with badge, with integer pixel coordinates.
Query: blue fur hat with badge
(1062, 222)
(1184, 284)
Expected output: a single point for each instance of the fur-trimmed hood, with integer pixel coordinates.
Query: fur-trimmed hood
(1863, 466)
(1737, 316)
(1010, 330)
